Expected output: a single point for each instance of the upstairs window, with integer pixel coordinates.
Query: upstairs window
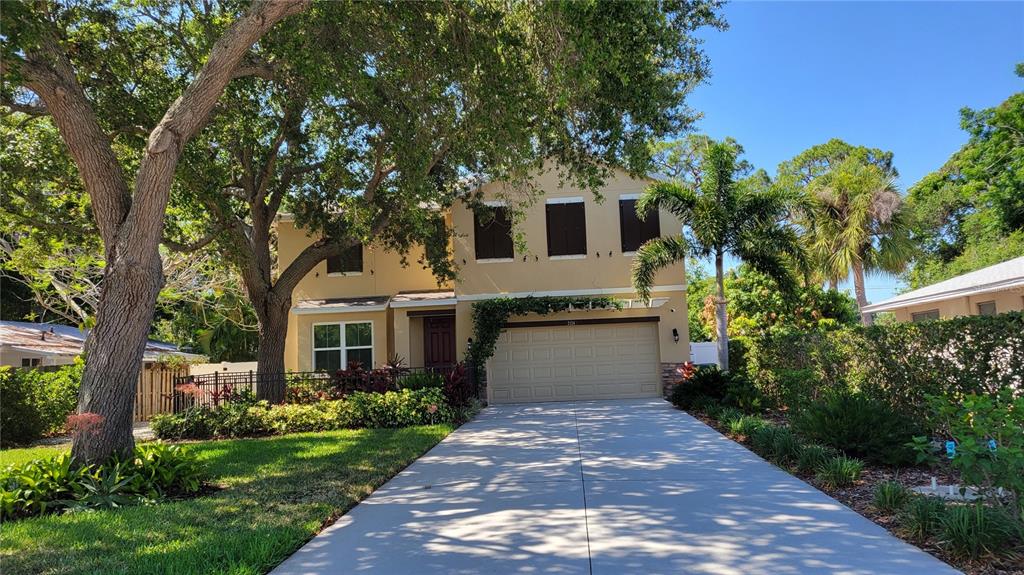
(492, 234)
(567, 228)
(634, 231)
(349, 262)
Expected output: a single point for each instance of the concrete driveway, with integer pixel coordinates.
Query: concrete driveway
(600, 487)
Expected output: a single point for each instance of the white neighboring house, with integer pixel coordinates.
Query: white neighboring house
(24, 344)
(988, 291)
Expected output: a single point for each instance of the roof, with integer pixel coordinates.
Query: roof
(999, 277)
(423, 298)
(65, 340)
(370, 303)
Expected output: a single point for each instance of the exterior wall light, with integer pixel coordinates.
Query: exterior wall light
(675, 335)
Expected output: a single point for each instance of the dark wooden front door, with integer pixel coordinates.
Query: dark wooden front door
(438, 341)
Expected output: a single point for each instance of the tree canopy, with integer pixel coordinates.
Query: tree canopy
(969, 213)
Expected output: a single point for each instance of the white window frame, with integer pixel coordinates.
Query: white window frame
(344, 348)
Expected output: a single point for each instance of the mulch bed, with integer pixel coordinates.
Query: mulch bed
(860, 496)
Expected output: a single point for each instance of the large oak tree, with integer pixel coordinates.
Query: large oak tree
(94, 68)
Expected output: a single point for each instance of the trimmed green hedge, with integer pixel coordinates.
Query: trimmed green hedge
(246, 417)
(35, 402)
(900, 364)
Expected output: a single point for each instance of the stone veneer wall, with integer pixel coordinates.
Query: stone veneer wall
(668, 377)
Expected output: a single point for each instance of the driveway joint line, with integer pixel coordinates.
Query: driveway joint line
(583, 488)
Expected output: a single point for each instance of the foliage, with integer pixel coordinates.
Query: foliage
(489, 317)
(246, 417)
(421, 380)
(813, 456)
(898, 364)
(775, 443)
(458, 389)
(921, 515)
(706, 382)
(858, 425)
(974, 530)
(275, 494)
(724, 209)
(989, 436)
(969, 213)
(890, 496)
(36, 402)
(840, 471)
(851, 213)
(154, 472)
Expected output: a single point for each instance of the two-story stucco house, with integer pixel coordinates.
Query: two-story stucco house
(367, 307)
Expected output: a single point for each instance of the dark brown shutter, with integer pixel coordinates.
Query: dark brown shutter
(633, 231)
(567, 229)
(492, 237)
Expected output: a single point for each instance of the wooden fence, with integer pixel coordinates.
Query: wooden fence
(155, 390)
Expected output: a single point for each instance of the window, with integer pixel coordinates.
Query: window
(567, 228)
(30, 362)
(930, 315)
(635, 232)
(987, 308)
(492, 234)
(336, 345)
(350, 262)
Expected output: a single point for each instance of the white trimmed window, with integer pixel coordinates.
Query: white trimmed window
(336, 345)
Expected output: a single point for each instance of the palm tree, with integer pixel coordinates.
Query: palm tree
(854, 221)
(722, 212)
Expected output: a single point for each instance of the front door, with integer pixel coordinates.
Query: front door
(438, 341)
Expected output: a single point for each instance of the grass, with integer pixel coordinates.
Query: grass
(277, 492)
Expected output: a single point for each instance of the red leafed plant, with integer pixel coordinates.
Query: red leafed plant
(189, 389)
(84, 425)
(686, 371)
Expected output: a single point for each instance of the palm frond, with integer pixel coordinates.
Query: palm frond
(655, 255)
(676, 198)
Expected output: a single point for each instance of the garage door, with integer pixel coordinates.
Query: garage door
(570, 362)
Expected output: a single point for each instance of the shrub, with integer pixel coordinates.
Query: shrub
(706, 383)
(812, 457)
(459, 389)
(155, 471)
(303, 389)
(775, 443)
(975, 530)
(746, 425)
(989, 436)
(741, 393)
(421, 380)
(920, 516)
(250, 418)
(859, 426)
(839, 471)
(35, 402)
(890, 496)
(727, 415)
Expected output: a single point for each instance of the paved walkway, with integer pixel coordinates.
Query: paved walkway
(604, 488)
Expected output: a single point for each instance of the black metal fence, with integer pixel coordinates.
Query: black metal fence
(215, 388)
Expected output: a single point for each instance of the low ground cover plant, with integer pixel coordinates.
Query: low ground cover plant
(246, 417)
(890, 496)
(154, 472)
(975, 530)
(859, 426)
(840, 471)
(707, 387)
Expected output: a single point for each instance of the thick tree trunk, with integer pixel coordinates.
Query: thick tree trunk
(273, 332)
(862, 298)
(721, 316)
(113, 353)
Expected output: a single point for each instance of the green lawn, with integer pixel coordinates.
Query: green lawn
(277, 492)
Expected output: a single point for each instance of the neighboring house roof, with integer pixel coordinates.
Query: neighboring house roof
(1006, 275)
(423, 298)
(65, 340)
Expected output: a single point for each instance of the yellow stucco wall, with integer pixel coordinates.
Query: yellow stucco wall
(1006, 300)
(604, 267)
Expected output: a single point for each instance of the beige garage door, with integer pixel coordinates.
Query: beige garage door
(570, 362)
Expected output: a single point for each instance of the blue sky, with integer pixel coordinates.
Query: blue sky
(788, 75)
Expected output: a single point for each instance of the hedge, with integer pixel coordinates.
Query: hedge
(35, 402)
(899, 363)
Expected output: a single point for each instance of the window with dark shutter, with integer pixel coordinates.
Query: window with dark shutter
(351, 261)
(492, 234)
(567, 229)
(634, 231)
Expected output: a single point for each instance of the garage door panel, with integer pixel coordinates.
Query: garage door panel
(556, 363)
